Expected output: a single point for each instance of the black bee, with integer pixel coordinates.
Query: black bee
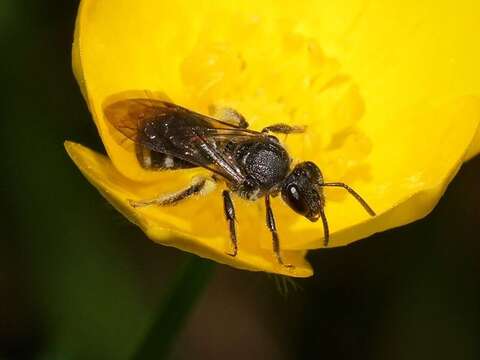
(253, 164)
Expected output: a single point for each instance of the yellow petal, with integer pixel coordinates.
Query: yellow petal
(389, 94)
(410, 172)
(207, 236)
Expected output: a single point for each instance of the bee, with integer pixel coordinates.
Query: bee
(252, 164)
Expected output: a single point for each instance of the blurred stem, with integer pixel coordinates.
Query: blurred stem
(184, 291)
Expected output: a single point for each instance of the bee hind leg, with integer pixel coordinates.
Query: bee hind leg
(200, 186)
(229, 115)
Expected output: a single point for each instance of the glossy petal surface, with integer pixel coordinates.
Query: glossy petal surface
(389, 95)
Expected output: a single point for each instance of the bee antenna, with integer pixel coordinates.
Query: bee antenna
(326, 231)
(354, 194)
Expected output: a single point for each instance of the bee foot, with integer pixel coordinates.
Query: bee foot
(288, 266)
(134, 203)
(137, 204)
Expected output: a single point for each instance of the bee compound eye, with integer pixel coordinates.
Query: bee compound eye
(292, 195)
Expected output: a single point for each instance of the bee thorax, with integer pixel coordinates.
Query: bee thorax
(265, 164)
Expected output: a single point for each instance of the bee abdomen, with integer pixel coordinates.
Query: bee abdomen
(158, 161)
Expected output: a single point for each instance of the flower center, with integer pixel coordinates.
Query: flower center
(273, 72)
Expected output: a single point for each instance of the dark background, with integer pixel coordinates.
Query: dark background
(77, 281)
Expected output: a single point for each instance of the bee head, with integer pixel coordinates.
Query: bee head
(301, 190)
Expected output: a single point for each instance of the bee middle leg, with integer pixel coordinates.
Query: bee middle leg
(273, 229)
(230, 216)
(200, 186)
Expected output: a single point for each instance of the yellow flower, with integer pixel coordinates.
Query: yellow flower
(389, 94)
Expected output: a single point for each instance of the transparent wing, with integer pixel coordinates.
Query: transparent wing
(170, 129)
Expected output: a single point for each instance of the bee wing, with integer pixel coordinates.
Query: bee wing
(170, 129)
(128, 116)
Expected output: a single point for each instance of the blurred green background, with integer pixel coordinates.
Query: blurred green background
(77, 281)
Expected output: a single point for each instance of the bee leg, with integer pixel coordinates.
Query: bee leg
(273, 229)
(284, 129)
(230, 216)
(228, 115)
(143, 156)
(199, 186)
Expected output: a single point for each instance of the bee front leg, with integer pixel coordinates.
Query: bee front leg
(284, 129)
(273, 229)
(200, 186)
(230, 216)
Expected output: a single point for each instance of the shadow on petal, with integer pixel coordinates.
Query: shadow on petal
(169, 229)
